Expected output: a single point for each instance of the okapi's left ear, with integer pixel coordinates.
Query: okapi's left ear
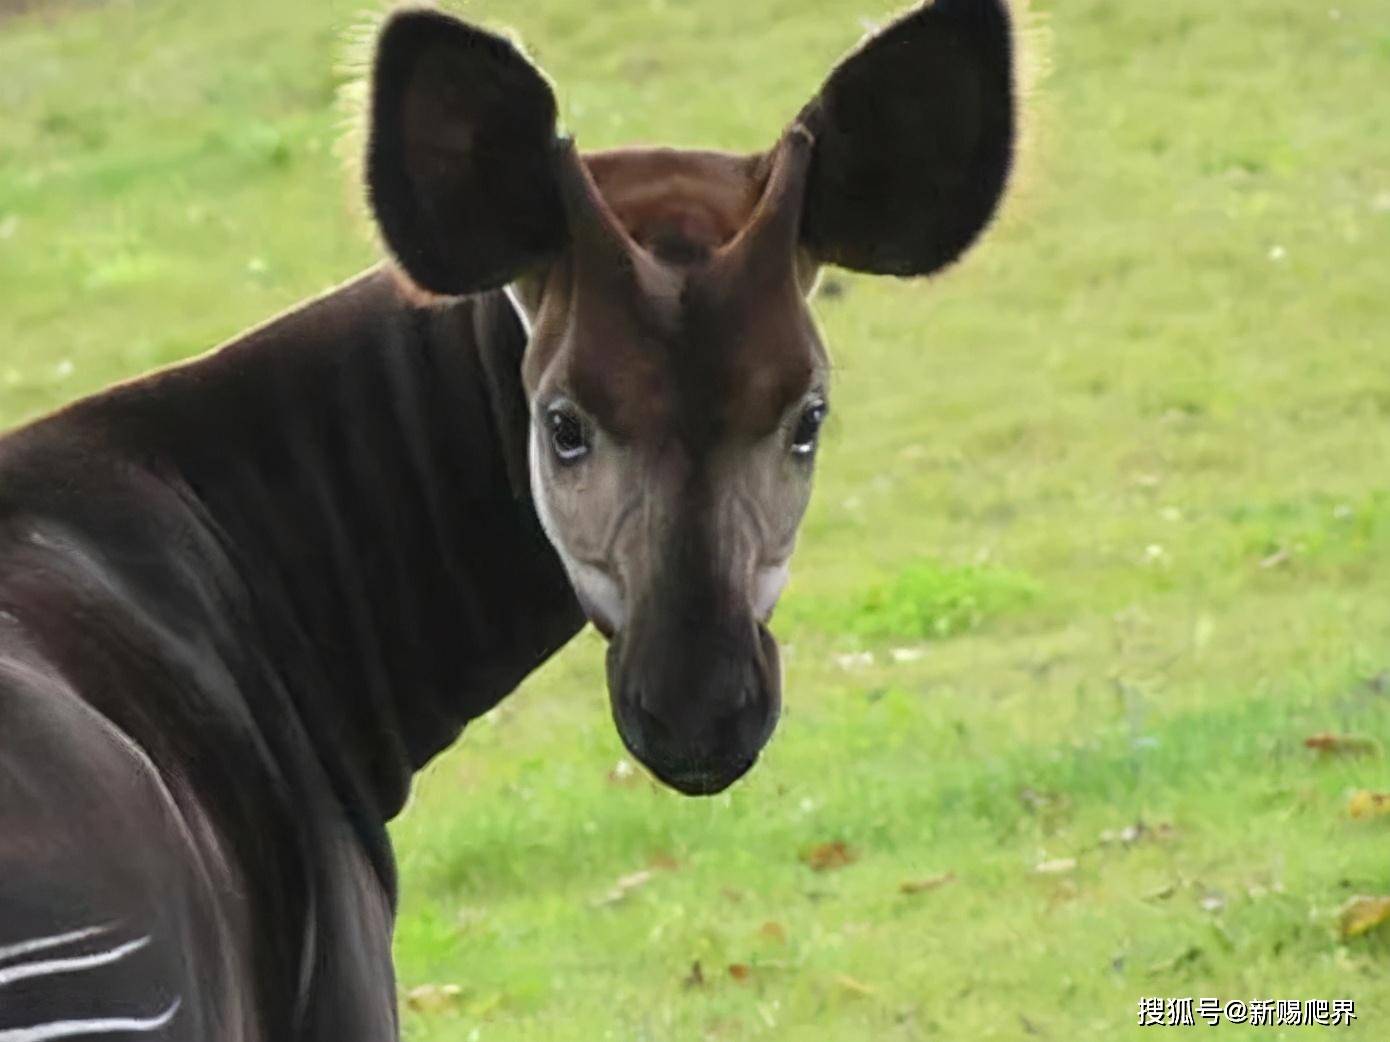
(914, 138)
(461, 154)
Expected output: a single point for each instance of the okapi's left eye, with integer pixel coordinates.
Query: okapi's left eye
(808, 428)
(568, 436)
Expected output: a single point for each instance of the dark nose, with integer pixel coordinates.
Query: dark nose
(697, 722)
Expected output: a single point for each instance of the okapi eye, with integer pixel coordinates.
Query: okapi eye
(568, 437)
(808, 428)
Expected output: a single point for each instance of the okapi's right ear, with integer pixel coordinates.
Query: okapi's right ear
(461, 155)
(914, 138)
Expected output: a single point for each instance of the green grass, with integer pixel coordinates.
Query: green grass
(1101, 533)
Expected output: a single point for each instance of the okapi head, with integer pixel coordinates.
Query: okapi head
(676, 380)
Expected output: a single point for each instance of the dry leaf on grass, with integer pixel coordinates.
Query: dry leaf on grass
(1366, 804)
(773, 932)
(912, 887)
(826, 856)
(433, 998)
(740, 972)
(1328, 744)
(1363, 914)
(625, 886)
(1056, 866)
(855, 987)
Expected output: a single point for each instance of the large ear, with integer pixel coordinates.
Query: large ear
(914, 138)
(461, 154)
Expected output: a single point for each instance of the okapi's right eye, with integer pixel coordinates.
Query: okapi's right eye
(808, 427)
(568, 436)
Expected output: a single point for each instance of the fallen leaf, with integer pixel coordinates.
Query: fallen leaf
(1064, 890)
(625, 886)
(740, 972)
(1055, 866)
(1329, 744)
(1363, 914)
(824, 857)
(773, 932)
(433, 998)
(922, 886)
(696, 977)
(855, 987)
(1367, 804)
(663, 861)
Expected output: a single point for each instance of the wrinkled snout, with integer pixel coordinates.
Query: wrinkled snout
(695, 705)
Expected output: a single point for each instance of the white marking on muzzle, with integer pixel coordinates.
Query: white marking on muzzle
(76, 1028)
(767, 588)
(71, 964)
(595, 587)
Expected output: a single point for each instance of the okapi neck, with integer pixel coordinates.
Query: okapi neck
(361, 461)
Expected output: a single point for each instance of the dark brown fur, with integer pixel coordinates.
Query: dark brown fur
(244, 599)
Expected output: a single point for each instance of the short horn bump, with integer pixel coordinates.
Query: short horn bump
(774, 227)
(584, 204)
(596, 234)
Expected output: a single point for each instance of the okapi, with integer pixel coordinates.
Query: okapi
(243, 599)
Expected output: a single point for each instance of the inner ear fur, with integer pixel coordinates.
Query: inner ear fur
(914, 140)
(461, 154)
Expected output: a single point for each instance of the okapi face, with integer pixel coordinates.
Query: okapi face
(675, 377)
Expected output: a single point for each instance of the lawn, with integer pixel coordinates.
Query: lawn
(1101, 533)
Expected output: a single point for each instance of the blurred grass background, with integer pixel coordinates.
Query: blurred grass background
(1101, 534)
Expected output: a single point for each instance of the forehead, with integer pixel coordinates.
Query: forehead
(680, 205)
(684, 348)
(706, 366)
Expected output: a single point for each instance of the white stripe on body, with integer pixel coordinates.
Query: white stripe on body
(39, 944)
(77, 1028)
(25, 970)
